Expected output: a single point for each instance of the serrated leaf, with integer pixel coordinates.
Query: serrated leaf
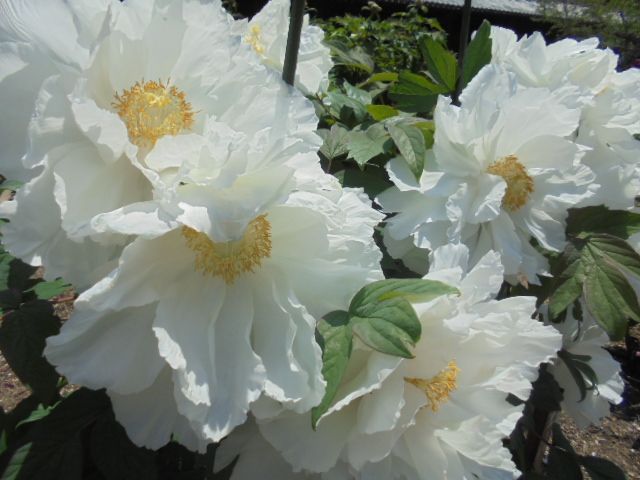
(350, 111)
(381, 112)
(409, 288)
(364, 146)
(477, 54)
(441, 63)
(337, 339)
(593, 220)
(357, 94)
(609, 297)
(22, 340)
(415, 93)
(115, 456)
(335, 142)
(48, 290)
(410, 143)
(601, 468)
(351, 57)
(618, 252)
(569, 275)
(390, 326)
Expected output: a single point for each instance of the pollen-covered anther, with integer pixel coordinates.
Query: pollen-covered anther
(253, 39)
(231, 259)
(151, 110)
(519, 184)
(439, 387)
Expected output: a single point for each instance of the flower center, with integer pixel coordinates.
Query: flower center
(253, 39)
(151, 110)
(230, 259)
(439, 387)
(519, 183)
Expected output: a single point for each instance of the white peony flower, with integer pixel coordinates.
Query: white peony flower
(97, 115)
(504, 173)
(222, 288)
(608, 101)
(442, 414)
(267, 34)
(585, 340)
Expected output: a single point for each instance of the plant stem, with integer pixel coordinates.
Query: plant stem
(293, 41)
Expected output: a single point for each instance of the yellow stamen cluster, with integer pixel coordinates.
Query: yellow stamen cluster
(519, 183)
(151, 110)
(439, 387)
(230, 259)
(253, 39)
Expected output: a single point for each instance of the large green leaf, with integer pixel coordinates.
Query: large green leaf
(381, 112)
(415, 93)
(48, 290)
(351, 57)
(610, 298)
(590, 220)
(390, 326)
(616, 251)
(335, 142)
(409, 288)
(569, 274)
(365, 146)
(351, 112)
(477, 55)
(411, 144)
(442, 64)
(22, 340)
(337, 340)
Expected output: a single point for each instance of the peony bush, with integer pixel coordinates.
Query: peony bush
(408, 278)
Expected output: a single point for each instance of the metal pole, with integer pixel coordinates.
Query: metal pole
(464, 30)
(293, 41)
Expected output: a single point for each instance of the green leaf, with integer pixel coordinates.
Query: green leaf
(335, 142)
(381, 112)
(390, 326)
(351, 57)
(477, 55)
(410, 142)
(364, 146)
(415, 93)
(349, 111)
(592, 220)
(337, 339)
(616, 251)
(569, 274)
(610, 299)
(22, 340)
(5, 268)
(357, 94)
(55, 448)
(601, 468)
(563, 461)
(428, 130)
(115, 456)
(38, 414)
(48, 290)
(385, 77)
(414, 290)
(383, 318)
(441, 63)
(581, 371)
